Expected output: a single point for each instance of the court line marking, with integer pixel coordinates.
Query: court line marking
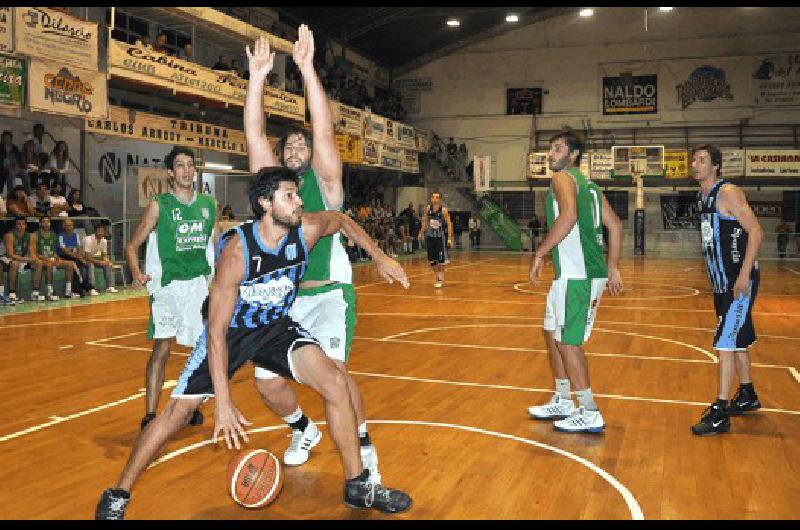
(67, 347)
(602, 330)
(60, 322)
(795, 374)
(518, 288)
(590, 354)
(550, 391)
(630, 501)
(517, 317)
(605, 306)
(55, 420)
(426, 273)
(791, 270)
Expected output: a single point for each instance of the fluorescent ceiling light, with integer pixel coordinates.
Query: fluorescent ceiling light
(453, 23)
(212, 165)
(665, 9)
(586, 12)
(512, 18)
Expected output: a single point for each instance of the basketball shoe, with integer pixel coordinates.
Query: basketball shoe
(112, 504)
(302, 442)
(744, 401)
(582, 421)
(362, 493)
(714, 421)
(557, 408)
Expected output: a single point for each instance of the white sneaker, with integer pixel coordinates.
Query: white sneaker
(111, 290)
(557, 408)
(36, 297)
(12, 297)
(300, 448)
(52, 298)
(94, 292)
(369, 459)
(438, 285)
(582, 421)
(70, 294)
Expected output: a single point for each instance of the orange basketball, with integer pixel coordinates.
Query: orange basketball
(255, 478)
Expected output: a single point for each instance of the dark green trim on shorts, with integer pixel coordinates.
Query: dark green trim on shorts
(349, 295)
(576, 311)
(151, 324)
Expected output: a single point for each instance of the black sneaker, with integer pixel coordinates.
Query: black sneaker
(714, 421)
(744, 401)
(362, 494)
(197, 418)
(112, 504)
(147, 419)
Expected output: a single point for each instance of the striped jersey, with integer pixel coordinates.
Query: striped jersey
(724, 242)
(437, 224)
(272, 276)
(580, 254)
(328, 259)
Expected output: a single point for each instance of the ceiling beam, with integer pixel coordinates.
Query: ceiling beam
(527, 17)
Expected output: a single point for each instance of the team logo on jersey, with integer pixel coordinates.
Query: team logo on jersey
(205, 213)
(291, 252)
(272, 292)
(335, 342)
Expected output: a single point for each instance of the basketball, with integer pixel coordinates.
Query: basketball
(255, 478)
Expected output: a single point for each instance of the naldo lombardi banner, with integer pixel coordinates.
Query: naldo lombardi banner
(630, 94)
(58, 89)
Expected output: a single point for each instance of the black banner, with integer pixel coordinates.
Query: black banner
(630, 95)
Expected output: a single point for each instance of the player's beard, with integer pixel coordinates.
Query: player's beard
(289, 221)
(559, 164)
(300, 168)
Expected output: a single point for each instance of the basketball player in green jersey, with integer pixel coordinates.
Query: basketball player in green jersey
(576, 208)
(43, 248)
(325, 304)
(179, 262)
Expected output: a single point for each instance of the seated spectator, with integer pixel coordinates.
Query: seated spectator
(19, 204)
(18, 258)
(144, 42)
(75, 206)
(186, 53)
(405, 236)
(31, 165)
(42, 204)
(38, 140)
(161, 44)
(10, 162)
(227, 213)
(59, 163)
(236, 68)
(44, 249)
(222, 65)
(95, 253)
(68, 249)
(58, 201)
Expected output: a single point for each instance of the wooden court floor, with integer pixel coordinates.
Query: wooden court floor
(446, 376)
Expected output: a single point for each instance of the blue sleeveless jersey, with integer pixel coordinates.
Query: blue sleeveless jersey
(272, 276)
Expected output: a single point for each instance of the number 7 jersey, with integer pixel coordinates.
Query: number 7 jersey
(580, 254)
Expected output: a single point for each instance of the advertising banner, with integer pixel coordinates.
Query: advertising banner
(391, 157)
(375, 128)
(715, 83)
(732, 163)
(42, 32)
(371, 152)
(772, 164)
(347, 120)
(12, 81)
(136, 125)
(676, 163)
(59, 89)
(776, 80)
(630, 94)
(405, 136)
(484, 173)
(601, 164)
(6, 23)
(152, 181)
(538, 168)
(410, 161)
(350, 148)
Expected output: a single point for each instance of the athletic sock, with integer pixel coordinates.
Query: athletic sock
(297, 421)
(562, 387)
(49, 289)
(68, 287)
(363, 435)
(586, 399)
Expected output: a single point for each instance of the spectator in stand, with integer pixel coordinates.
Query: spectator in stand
(75, 206)
(59, 163)
(535, 226)
(58, 201)
(415, 225)
(222, 65)
(236, 68)
(38, 141)
(144, 42)
(10, 162)
(19, 204)
(30, 166)
(227, 214)
(18, 253)
(95, 253)
(452, 149)
(161, 44)
(43, 204)
(406, 241)
(68, 249)
(186, 53)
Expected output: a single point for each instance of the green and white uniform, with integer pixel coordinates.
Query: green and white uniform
(46, 246)
(180, 261)
(328, 312)
(581, 272)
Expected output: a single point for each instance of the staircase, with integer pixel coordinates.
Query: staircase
(493, 215)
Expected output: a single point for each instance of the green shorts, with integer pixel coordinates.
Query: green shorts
(572, 308)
